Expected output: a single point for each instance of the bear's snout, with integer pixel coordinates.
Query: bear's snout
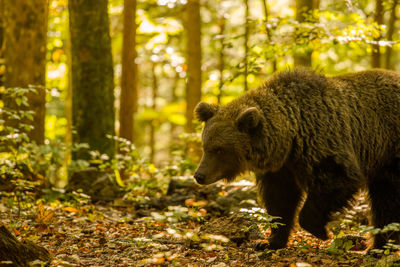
(200, 178)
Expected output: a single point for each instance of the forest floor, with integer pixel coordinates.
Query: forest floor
(187, 233)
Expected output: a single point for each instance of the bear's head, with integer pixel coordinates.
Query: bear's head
(227, 141)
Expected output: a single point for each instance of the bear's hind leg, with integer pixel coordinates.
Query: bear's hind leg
(281, 197)
(384, 193)
(318, 208)
(330, 191)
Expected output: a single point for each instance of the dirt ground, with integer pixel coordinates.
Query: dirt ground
(187, 234)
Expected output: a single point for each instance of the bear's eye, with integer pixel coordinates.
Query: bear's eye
(218, 150)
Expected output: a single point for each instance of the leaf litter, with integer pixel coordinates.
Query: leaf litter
(190, 233)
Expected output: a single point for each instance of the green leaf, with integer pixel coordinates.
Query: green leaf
(29, 116)
(118, 178)
(18, 101)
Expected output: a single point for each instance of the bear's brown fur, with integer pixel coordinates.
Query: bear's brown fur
(307, 135)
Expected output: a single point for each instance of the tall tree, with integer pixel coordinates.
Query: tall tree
(92, 74)
(1, 41)
(246, 43)
(376, 51)
(153, 123)
(128, 99)
(68, 104)
(221, 56)
(25, 24)
(303, 7)
(173, 132)
(389, 34)
(193, 86)
(269, 37)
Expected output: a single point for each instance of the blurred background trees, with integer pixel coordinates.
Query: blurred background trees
(25, 35)
(137, 68)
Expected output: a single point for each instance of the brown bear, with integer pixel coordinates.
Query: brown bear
(313, 138)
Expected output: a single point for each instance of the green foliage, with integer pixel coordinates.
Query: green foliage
(171, 112)
(127, 162)
(25, 167)
(262, 218)
(22, 197)
(74, 199)
(14, 135)
(182, 163)
(390, 230)
(340, 245)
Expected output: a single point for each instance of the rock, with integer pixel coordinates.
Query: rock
(100, 186)
(237, 227)
(179, 184)
(235, 196)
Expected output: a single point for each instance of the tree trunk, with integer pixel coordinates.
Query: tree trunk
(92, 75)
(193, 86)
(25, 24)
(129, 94)
(303, 7)
(68, 106)
(389, 35)
(153, 123)
(376, 51)
(269, 37)
(246, 44)
(174, 130)
(20, 253)
(1, 42)
(221, 57)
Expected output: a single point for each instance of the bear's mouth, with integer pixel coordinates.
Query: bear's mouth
(227, 178)
(203, 180)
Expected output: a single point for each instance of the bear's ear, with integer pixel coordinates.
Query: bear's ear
(205, 111)
(248, 120)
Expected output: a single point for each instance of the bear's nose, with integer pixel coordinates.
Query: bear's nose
(200, 178)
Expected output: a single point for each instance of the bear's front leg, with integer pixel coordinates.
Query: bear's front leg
(281, 196)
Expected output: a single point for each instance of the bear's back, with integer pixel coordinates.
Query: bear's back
(357, 113)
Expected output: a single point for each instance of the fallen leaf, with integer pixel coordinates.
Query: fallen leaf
(189, 202)
(70, 209)
(86, 250)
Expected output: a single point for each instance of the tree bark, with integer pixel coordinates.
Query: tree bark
(376, 51)
(221, 57)
(246, 43)
(1, 43)
(193, 86)
(154, 123)
(303, 7)
(68, 106)
(20, 253)
(92, 75)
(173, 132)
(269, 37)
(129, 94)
(389, 35)
(25, 24)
